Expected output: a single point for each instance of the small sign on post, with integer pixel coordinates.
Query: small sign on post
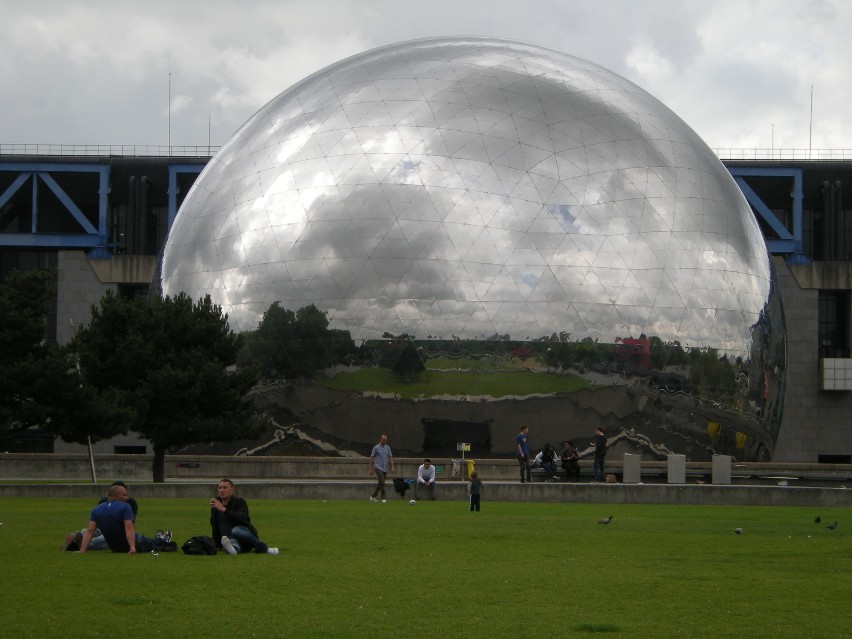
(463, 447)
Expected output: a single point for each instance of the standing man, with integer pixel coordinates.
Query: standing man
(380, 458)
(114, 518)
(599, 442)
(524, 453)
(425, 479)
(231, 524)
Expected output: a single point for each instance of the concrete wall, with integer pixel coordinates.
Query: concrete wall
(82, 282)
(682, 494)
(209, 468)
(814, 422)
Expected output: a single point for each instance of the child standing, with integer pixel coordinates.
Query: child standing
(473, 489)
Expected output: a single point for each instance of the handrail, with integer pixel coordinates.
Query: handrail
(106, 150)
(153, 150)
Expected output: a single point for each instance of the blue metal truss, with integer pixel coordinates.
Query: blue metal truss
(789, 242)
(90, 236)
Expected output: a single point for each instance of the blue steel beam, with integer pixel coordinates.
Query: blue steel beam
(788, 242)
(43, 171)
(13, 188)
(72, 208)
(50, 240)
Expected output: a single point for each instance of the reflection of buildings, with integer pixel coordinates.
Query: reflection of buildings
(633, 352)
(816, 297)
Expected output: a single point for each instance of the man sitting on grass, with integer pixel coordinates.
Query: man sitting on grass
(232, 528)
(114, 518)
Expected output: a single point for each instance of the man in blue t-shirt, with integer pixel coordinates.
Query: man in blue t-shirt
(114, 518)
(524, 453)
(380, 458)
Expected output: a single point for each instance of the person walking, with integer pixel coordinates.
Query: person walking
(380, 459)
(523, 450)
(474, 488)
(599, 442)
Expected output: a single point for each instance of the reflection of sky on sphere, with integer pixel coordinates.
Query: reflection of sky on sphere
(474, 187)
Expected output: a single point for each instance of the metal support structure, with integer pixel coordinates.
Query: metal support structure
(788, 242)
(89, 237)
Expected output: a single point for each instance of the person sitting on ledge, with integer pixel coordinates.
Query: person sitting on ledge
(546, 460)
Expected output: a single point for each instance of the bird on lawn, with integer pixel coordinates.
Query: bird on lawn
(606, 521)
(817, 520)
(739, 531)
(832, 526)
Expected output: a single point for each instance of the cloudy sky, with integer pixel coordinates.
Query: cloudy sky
(102, 72)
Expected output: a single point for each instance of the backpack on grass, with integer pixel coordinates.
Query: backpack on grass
(199, 545)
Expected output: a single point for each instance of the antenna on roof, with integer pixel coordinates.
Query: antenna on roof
(811, 125)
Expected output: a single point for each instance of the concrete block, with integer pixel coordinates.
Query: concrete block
(721, 469)
(677, 469)
(632, 471)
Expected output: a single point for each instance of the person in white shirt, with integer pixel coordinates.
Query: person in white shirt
(425, 479)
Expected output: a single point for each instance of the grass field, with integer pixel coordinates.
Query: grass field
(431, 383)
(356, 569)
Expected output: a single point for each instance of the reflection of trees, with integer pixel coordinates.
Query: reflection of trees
(711, 375)
(299, 343)
(296, 344)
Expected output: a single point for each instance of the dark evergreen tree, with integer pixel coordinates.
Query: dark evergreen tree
(173, 361)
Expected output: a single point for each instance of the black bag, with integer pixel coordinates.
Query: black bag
(199, 545)
(400, 485)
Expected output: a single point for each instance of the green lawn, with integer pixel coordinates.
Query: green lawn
(356, 569)
(431, 383)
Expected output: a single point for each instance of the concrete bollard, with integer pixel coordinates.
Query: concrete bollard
(677, 469)
(721, 469)
(632, 469)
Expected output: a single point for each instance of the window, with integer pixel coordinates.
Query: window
(833, 324)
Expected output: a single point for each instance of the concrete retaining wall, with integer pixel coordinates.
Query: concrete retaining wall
(683, 494)
(191, 468)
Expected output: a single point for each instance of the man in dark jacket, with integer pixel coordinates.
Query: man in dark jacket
(232, 527)
(599, 442)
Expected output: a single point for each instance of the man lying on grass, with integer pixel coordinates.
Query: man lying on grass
(114, 518)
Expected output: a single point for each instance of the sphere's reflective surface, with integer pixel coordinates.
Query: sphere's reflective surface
(496, 222)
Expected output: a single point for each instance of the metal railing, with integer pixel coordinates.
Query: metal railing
(149, 150)
(778, 155)
(105, 150)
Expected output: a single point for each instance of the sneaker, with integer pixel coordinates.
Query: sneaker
(384, 501)
(373, 499)
(228, 546)
(158, 534)
(167, 536)
(72, 541)
(272, 551)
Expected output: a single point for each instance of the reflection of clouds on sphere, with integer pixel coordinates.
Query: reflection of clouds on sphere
(474, 187)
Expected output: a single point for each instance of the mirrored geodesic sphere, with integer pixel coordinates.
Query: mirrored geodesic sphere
(444, 238)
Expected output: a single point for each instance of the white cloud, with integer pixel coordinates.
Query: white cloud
(98, 72)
